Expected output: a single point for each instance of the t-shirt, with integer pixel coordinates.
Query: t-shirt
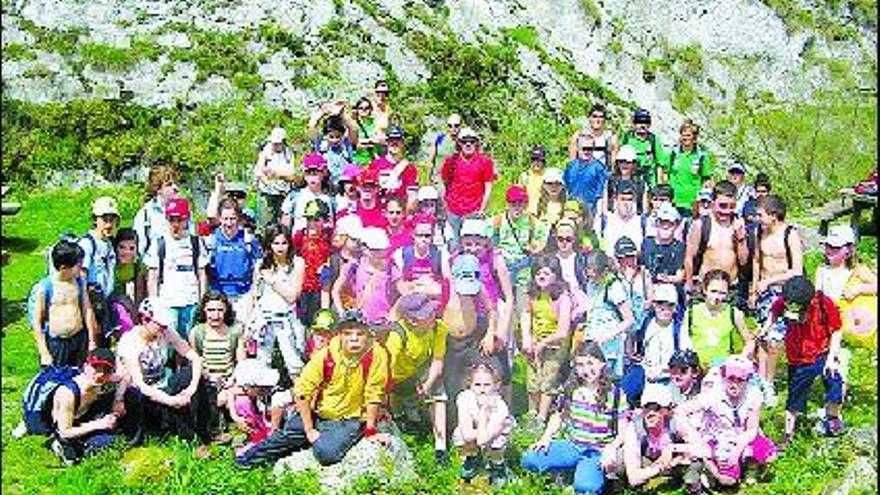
(722, 420)
(218, 353)
(180, 286)
(659, 345)
(545, 315)
(315, 251)
(279, 163)
(649, 153)
(151, 356)
(337, 157)
(615, 228)
(409, 176)
(364, 155)
(666, 259)
(294, 204)
(125, 274)
(712, 335)
(467, 404)
(396, 240)
(585, 181)
(151, 217)
(466, 182)
(100, 263)
(420, 350)
(680, 171)
(588, 420)
(373, 217)
(804, 342)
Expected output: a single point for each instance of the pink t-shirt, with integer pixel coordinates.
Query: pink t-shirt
(466, 182)
(399, 239)
(372, 218)
(371, 287)
(409, 176)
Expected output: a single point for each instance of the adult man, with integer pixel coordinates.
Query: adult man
(649, 151)
(338, 399)
(585, 177)
(601, 141)
(468, 176)
(150, 222)
(716, 241)
(736, 174)
(688, 168)
(444, 144)
(233, 255)
(273, 170)
(99, 258)
(624, 221)
(74, 406)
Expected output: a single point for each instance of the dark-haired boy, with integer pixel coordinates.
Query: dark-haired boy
(64, 324)
(338, 139)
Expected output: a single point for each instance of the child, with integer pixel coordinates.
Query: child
(550, 205)
(321, 331)
(685, 375)
(99, 259)
(532, 179)
(346, 249)
(64, 324)
(312, 244)
(369, 278)
(247, 407)
(399, 232)
(130, 284)
(484, 424)
(588, 414)
(339, 136)
(663, 254)
(316, 186)
(546, 334)
(633, 276)
(716, 326)
(572, 262)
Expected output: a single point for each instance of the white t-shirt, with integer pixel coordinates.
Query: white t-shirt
(615, 228)
(180, 285)
(100, 265)
(660, 345)
(278, 162)
(498, 412)
(151, 357)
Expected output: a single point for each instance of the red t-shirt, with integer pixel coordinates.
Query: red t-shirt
(315, 251)
(372, 218)
(466, 182)
(804, 342)
(409, 176)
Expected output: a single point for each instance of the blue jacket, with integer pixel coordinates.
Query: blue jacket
(232, 262)
(585, 181)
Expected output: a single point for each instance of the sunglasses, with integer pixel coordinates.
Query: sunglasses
(726, 206)
(453, 126)
(564, 238)
(468, 142)
(597, 115)
(365, 108)
(423, 236)
(653, 407)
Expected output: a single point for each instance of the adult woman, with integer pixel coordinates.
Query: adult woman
(150, 222)
(369, 141)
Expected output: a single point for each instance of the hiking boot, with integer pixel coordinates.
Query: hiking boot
(834, 426)
(441, 457)
(469, 468)
(64, 451)
(498, 474)
(692, 483)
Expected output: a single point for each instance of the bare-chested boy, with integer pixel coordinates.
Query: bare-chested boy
(778, 257)
(64, 323)
(720, 245)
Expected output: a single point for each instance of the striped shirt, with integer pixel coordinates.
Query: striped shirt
(590, 422)
(218, 353)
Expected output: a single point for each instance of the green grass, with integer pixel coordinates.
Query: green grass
(29, 468)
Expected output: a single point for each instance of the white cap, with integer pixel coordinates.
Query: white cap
(665, 293)
(840, 235)
(467, 133)
(349, 225)
(277, 136)
(626, 153)
(427, 193)
(737, 167)
(552, 174)
(658, 394)
(474, 226)
(374, 238)
(105, 205)
(254, 373)
(156, 310)
(668, 212)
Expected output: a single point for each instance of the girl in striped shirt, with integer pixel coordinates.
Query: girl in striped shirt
(582, 433)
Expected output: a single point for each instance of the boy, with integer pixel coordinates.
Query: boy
(417, 354)
(623, 221)
(176, 263)
(64, 323)
(99, 258)
(812, 347)
(338, 398)
(272, 171)
(663, 254)
(234, 252)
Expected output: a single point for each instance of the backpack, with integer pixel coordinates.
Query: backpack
(652, 151)
(40, 391)
(409, 256)
(45, 286)
(196, 244)
(705, 232)
(785, 236)
(365, 361)
(731, 314)
(636, 340)
(701, 156)
(232, 335)
(603, 222)
(237, 265)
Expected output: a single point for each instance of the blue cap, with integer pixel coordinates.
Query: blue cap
(642, 116)
(466, 275)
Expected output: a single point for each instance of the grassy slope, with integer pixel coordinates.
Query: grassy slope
(31, 469)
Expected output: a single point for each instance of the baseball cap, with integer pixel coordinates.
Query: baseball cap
(737, 167)
(235, 187)
(105, 205)
(324, 320)
(252, 372)
(573, 205)
(381, 86)
(552, 174)
(277, 135)
(316, 208)
(314, 161)
(668, 213)
(473, 226)
(349, 173)
(642, 116)
(625, 247)
(368, 176)
(418, 306)
(394, 132)
(155, 310)
(427, 193)
(374, 238)
(657, 393)
(684, 358)
(177, 207)
(665, 293)
(101, 358)
(662, 191)
(538, 153)
(516, 194)
(705, 194)
(466, 275)
(468, 133)
(625, 186)
(349, 225)
(737, 366)
(626, 153)
(840, 235)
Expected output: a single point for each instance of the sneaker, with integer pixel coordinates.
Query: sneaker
(441, 457)
(65, 452)
(834, 427)
(20, 430)
(769, 394)
(692, 483)
(469, 468)
(498, 474)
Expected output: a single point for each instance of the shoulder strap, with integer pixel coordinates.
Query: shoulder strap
(676, 332)
(513, 231)
(196, 244)
(705, 232)
(408, 256)
(93, 245)
(615, 405)
(731, 313)
(160, 252)
(788, 257)
(603, 222)
(199, 331)
(147, 228)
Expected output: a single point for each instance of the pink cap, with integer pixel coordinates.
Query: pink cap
(350, 173)
(177, 207)
(420, 218)
(314, 160)
(738, 367)
(516, 194)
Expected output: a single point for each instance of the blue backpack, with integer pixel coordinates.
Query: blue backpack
(37, 417)
(232, 262)
(45, 286)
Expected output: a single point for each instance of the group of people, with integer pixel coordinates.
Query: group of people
(351, 289)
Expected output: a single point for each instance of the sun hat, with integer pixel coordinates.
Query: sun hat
(105, 205)
(516, 194)
(277, 135)
(737, 366)
(839, 236)
(418, 306)
(374, 238)
(177, 207)
(626, 153)
(466, 275)
(252, 372)
(349, 225)
(156, 310)
(668, 213)
(657, 393)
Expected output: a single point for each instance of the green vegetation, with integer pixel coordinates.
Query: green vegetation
(826, 17)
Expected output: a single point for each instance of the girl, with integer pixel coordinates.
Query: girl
(484, 424)
(546, 333)
(130, 284)
(550, 205)
(399, 232)
(428, 203)
(248, 406)
(216, 339)
(609, 314)
(633, 276)
(346, 194)
(346, 249)
(715, 324)
(572, 264)
(369, 141)
(587, 416)
(277, 285)
(369, 277)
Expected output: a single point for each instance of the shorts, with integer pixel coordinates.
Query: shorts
(762, 313)
(547, 373)
(800, 379)
(498, 443)
(761, 449)
(68, 351)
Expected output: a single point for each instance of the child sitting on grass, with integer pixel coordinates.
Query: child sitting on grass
(484, 424)
(253, 383)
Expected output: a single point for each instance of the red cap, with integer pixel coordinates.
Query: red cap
(177, 207)
(204, 228)
(314, 160)
(368, 175)
(420, 218)
(516, 194)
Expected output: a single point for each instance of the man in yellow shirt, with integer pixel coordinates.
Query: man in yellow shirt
(338, 399)
(417, 353)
